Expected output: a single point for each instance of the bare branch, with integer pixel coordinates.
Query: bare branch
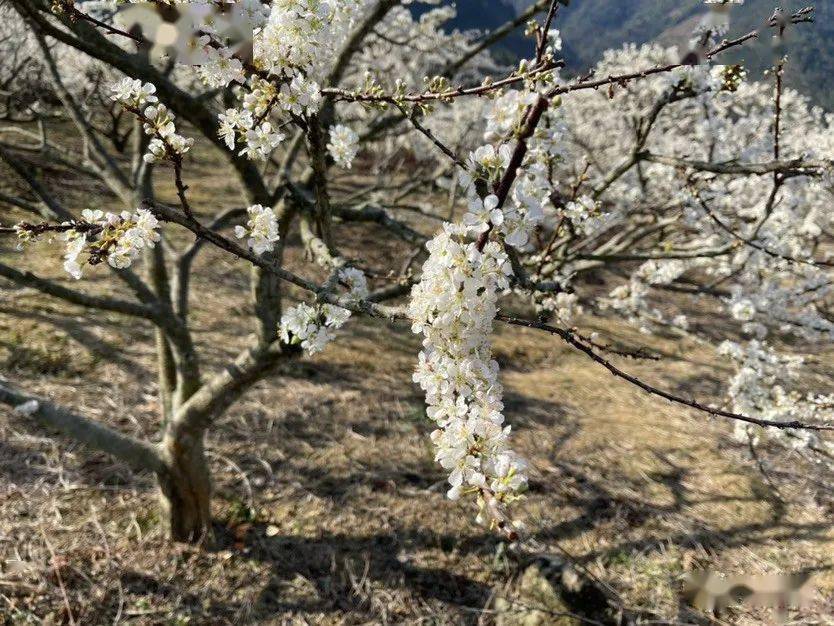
(95, 435)
(572, 339)
(372, 213)
(50, 288)
(792, 167)
(168, 214)
(497, 35)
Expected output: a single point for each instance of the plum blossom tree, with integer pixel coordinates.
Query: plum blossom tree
(667, 177)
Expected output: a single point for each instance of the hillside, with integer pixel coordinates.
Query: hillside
(591, 26)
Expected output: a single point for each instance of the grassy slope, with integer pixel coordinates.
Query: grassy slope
(329, 507)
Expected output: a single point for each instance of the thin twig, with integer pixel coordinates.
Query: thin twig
(571, 338)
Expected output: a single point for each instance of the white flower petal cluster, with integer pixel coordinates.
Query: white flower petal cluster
(312, 326)
(221, 68)
(121, 239)
(232, 123)
(158, 121)
(506, 113)
(758, 388)
(315, 326)
(134, 93)
(483, 213)
(261, 230)
(261, 141)
(564, 305)
(293, 51)
(525, 208)
(343, 145)
(453, 306)
(355, 280)
(239, 125)
(135, 232)
(76, 242)
(554, 39)
(584, 215)
(489, 161)
(743, 310)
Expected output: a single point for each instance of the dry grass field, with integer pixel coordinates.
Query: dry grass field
(329, 508)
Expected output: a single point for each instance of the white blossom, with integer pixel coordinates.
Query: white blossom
(453, 307)
(491, 160)
(554, 39)
(75, 246)
(261, 141)
(343, 145)
(134, 93)
(261, 230)
(158, 121)
(234, 122)
(120, 239)
(482, 213)
(313, 327)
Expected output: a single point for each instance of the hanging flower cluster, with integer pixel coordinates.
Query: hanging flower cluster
(453, 306)
(261, 230)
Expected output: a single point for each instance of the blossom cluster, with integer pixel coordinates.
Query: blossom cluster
(292, 44)
(158, 121)
(120, 239)
(314, 326)
(516, 219)
(453, 306)
(758, 389)
(259, 140)
(584, 215)
(343, 145)
(261, 230)
(201, 35)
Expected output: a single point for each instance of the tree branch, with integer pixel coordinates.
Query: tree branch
(217, 394)
(109, 171)
(28, 279)
(573, 340)
(139, 454)
(497, 35)
(88, 40)
(792, 167)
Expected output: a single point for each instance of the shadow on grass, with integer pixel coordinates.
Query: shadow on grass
(355, 575)
(344, 570)
(77, 330)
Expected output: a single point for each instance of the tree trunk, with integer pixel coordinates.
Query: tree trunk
(185, 487)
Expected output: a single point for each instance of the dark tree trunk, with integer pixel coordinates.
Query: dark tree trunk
(185, 488)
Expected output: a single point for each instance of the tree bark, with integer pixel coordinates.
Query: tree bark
(185, 487)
